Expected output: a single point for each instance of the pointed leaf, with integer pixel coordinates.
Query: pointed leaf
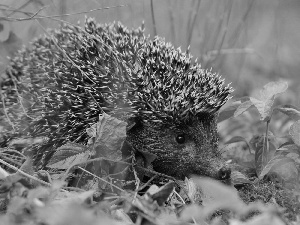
(289, 110)
(266, 98)
(148, 157)
(262, 154)
(275, 161)
(110, 134)
(27, 166)
(284, 168)
(68, 155)
(235, 109)
(228, 112)
(163, 193)
(70, 161)
(66, 151)
(191, 189)
(273, 88)
(263, 107)
(242, 108)
(235, 139)
(289, 148)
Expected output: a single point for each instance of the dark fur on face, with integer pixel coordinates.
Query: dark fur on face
(181, 150)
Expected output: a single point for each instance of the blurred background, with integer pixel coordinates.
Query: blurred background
(249, 42)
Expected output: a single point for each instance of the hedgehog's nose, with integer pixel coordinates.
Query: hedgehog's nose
(224, 173)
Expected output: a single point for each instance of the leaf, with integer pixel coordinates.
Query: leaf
(219, 196)
(266, 98)
(228, 112)
(27, 166)
(66, 151)
(284, 168)
(294, 156)
(262, 154)
(235, 109)
(242, 108)
(295, 132)
(110, 134)
(289, 110)
(289, 148)
(292, 151)
(68, 155)
(264, 108)
(274, 162)
(190, 189)
(235, 139)
(143, 204)
(120, 215)
(163, 193)
(288, 173)
(71, 161)
(273, 88)
(148, 157)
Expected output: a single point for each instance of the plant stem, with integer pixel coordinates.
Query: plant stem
(153, 18)
(266, 145)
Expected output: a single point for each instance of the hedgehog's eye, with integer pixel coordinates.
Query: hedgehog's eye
(180, 138)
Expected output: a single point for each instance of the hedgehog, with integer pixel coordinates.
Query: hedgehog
(70, 76)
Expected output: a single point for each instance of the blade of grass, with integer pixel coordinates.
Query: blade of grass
(191, 29)
(224, 30)
(153, 18)
(235, 34)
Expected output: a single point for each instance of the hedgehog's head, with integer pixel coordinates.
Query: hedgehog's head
(177, 104)
(182, 149)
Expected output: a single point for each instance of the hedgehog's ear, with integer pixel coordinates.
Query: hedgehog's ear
(133, 122)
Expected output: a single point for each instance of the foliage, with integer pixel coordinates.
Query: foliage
(55, 205)
(270, 158)
(110, 190)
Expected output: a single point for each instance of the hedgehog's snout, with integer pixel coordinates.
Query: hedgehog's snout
(224, 173)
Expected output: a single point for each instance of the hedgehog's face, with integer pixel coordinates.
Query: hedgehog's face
(182, 150)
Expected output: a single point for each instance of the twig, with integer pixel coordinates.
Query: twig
(148, 182)
(101, 179)
(11, 159)
(179, 196)
(55, 16)
(14, 151)
(48, 175)
(24, 174)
